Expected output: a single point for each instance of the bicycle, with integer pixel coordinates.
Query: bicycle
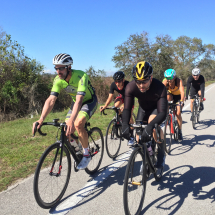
(196, 111)
(139, 167)
(171, 126)
(113, 134)
(54, 168)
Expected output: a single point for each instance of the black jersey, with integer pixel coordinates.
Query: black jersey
(196, 84)
(114, 87)
(154, 98)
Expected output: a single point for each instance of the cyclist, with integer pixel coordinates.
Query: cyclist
(175, 93)
(196, 85)
(77, 84)
(152, 98)
(119, 85)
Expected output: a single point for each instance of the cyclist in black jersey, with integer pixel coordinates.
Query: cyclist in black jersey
(196, 85)
(77, 84)
(119, 85)
(152, 98)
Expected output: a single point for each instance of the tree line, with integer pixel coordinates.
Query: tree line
(24, 87)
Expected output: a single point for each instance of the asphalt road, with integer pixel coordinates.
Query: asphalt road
(187, 185)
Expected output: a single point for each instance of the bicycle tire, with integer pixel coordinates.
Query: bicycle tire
(96, 149)
(194, 116)
(198, 114)
(42, 193)
(134, 183)
(112, 142)
(158, 172)
(167, 132)
(176, 130)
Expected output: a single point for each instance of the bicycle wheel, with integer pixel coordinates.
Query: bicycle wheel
(176, 130)
(168, 134)
(49, 185)
(134, 183)
(158, 172)
(194, 116)
(96, 149)
(197, 114)
(112, 142)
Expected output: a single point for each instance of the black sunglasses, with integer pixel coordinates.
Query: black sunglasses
(60, 68)
(142, 82)
(118, 81)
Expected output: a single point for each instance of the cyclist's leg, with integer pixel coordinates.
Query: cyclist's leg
(201, 101)
(161, 149)
(118, 102)
(193, 92)
(84, 115)
(141, 118)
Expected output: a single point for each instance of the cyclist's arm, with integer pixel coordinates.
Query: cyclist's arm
(162, 110)
(188, 87)
(202, 88)
(164, 82)
(109, 99)
(76, 108)
(48, 106)
(181, 88)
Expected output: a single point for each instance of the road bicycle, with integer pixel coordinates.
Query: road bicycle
(196, 111)
(113, 137)
(54, 168)
(140, 165)
(171, 128)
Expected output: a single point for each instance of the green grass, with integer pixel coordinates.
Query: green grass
(20, 152)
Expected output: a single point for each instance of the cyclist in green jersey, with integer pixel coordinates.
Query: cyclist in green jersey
(77, 84)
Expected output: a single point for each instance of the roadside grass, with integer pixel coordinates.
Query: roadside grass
(20, 152)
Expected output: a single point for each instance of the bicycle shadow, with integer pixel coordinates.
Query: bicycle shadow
(180, 182)
(190, 141)
(206, 123)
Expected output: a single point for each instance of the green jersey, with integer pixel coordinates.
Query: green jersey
(79, 84)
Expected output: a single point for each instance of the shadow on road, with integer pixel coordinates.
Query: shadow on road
(180, 182)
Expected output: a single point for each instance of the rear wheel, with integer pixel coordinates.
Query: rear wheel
(96, 149)
(135, 183)
(51, 179)
(112, 142)
(168, 134)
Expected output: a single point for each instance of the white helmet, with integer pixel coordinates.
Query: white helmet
(196, 71)
(62, 59)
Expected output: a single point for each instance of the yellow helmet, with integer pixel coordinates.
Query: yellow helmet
(142, 70)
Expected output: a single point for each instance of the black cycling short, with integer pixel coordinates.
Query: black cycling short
(193, 92)
(176, 98)
(143, 116)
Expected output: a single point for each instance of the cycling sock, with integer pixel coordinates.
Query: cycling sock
(131, 132)
(86, 151)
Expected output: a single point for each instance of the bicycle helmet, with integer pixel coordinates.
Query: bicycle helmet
(118, 76)
(196, 71)
(62, 59)
(142, 70)
(170, 74)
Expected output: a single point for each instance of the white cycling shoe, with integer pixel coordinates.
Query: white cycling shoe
(131, 142)
(84, 162)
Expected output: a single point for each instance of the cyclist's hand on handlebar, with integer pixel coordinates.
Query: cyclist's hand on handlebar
(185, 98)
(70, 128)
(125, 131)
(34, 124)
(102, 108)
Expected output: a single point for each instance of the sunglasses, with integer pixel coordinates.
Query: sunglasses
(118, 81)
(60, 68)
(195, 75)
(169, 79)
(142, 82)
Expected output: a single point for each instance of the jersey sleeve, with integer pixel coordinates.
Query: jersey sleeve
(56, 88)
(112, 88)
(189, 80)
(202, 87)
(82, 85)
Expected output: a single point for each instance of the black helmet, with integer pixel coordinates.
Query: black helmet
(118, 76)
(142, 70)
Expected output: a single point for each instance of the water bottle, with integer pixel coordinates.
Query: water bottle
(149, 148)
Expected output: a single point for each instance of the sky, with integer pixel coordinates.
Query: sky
(89, 30)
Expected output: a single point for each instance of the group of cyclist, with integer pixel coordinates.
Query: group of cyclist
(152, 94)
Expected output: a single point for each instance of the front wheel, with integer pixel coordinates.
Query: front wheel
(135, 183)
(96, 149)
(167, 134)
(51, 178)
(112, 142)
(194, 113)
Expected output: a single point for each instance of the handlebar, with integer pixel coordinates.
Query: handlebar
(110, 108)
